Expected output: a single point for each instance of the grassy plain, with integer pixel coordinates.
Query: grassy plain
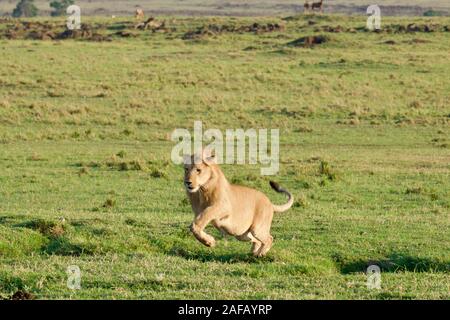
(86, 175)
(229, 7)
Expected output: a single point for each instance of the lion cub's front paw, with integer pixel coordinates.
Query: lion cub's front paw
(210, 242)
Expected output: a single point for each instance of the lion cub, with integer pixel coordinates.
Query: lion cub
(239, 211)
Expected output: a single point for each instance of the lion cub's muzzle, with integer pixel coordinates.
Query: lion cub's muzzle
(189, 186)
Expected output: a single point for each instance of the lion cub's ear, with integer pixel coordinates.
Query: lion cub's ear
(209, 156)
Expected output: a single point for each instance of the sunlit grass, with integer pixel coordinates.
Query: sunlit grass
(86, 175)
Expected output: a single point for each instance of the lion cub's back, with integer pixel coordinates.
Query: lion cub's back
(248, 198)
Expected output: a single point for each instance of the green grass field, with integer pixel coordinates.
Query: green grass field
(87, 179)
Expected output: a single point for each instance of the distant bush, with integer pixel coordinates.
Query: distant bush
(60, 7)
(433, 13)
(25, 8)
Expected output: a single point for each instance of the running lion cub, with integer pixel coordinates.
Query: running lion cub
(239, 211)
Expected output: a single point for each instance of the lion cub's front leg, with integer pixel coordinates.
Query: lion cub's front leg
(200, 223)
(202, 236)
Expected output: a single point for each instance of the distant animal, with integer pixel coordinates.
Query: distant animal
(306, 6)
(151, 24)
(239, 211)
(317, 5)
(139, 14)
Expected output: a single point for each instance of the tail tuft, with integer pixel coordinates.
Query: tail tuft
(275, 186)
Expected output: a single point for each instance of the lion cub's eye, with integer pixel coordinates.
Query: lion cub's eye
(198, 170)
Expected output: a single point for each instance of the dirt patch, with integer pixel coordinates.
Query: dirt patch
(214, 29)
(393, 28)
(85, 32)
(29, 30)
(50, 31)
(308, 41)
(10, 35)
(22, 295)
(422, 28)
(41, 35)
(414, 27)
(337, 29)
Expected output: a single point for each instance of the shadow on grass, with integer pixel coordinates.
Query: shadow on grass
(63, 247)
(395, 296)
(184, 249)
(217, 256)
(394, 263)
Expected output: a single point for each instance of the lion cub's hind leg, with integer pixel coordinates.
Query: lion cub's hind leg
(261, 231)
(248, 236)
(262, 234)
(265, 247)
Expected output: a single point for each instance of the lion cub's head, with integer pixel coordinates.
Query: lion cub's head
(198, 170)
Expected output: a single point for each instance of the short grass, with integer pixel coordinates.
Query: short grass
(86, 175)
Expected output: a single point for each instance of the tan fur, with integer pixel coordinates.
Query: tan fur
(239, 211)
(139, 14)
(306, 6)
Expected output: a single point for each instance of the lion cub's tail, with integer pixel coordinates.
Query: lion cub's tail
(275, 186)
